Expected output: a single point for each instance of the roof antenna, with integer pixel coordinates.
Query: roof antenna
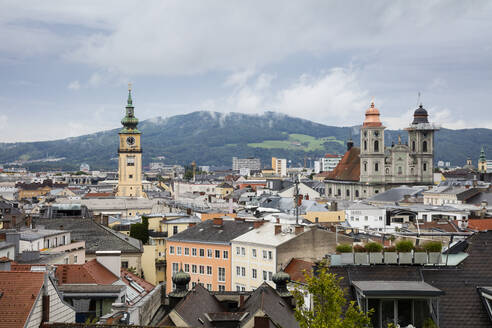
(419, 102)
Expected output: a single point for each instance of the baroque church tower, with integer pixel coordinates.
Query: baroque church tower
(129, 155)
(372, 148)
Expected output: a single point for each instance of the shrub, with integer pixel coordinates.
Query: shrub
(404, 246)
(433, 246)
(359, 249)
(390, 249)
(429, 323)
(419, 249)
(344, 248)
(374, 247)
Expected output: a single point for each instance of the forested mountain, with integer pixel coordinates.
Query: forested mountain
(211, 138)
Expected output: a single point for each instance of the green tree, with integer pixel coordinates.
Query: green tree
(330, 308)
(141, 230)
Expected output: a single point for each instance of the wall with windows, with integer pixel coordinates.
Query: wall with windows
(252, 264)
(367, 219)
(208, 264)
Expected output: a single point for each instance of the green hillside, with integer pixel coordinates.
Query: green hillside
(211, 138)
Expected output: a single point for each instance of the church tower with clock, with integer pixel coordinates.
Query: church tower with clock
(129, 155)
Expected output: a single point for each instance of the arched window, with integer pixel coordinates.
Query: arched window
(425, 167)
(365, 166)
(411, 170)
(365, 144)
(413, 145)
(387, 171)
(424, 146)
(339, 192)
(400, 171)
(348, 193)
(376, 167)
(376, 146)
(329, 191)
(357, 193)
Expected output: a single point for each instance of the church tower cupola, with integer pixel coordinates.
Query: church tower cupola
(420, 115)
(372, 117)
(129, 122)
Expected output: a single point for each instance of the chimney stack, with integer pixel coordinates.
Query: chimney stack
(191, 225)
(218, 221)
(258, 224)
(278, 229)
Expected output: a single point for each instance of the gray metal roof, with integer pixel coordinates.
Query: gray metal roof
(396, 288)
(207, 232)
(34, 234)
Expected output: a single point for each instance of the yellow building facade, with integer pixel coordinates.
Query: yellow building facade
(129, 155)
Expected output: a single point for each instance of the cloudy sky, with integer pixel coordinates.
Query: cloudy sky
(65, 65)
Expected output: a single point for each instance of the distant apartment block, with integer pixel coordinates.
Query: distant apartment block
(251, 163)
(279, 166)
(329, 162)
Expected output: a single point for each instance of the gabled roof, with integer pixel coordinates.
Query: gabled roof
(208, 232)
(296, 269)
(193, 306)
(266, 299)
(348, 169)
(96, 236)
(480, 224)
(20, 291)
(91, 272)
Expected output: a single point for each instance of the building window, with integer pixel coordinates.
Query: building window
(238, 270)
(365, 144)
(178, 250)
(270, 275)
(209, 287)
(226, 254)
(187, 251)
(400, 170)
(193, 252)
(238, 250)
(339, 192)
(187, 268)
(130, 176)
(202, 252)
(376, 146)
(254, 273)
(243, 251)
(175, 230)
(175, 267)
(217, 254)
(365, 166)
(424, 146)
(425, 166)
(65, 259)
(413, 145)
(380, 218)
(376, 167)
(243, 271)
(366, 218)
(75, 259)
(209, 253)
(221, 275)
(171, 249)
(265, 254)
(193, 268)
(209, 270)
(329, 191)
(193, 284)
(221, 288)
(347, 192)
(265, 275)
(270, 255)
(253, 251)
(357, 193)
(202, 269)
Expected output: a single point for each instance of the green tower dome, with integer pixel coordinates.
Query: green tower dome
(129, 122)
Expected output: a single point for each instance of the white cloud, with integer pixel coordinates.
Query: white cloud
(74, 85)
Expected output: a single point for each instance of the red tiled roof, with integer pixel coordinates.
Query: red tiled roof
(296, 269)
(348, 169)
(19, 292)
(143, 283)
(331, 156)
(91, 272)
(480, 224)
(98, 194)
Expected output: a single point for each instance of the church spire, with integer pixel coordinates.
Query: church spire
(129, 102)
(482, 155)
(129, 122)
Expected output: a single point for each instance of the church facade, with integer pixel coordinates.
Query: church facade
(374, 168)
(129, 155)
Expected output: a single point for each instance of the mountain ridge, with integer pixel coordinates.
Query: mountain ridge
(212, 138)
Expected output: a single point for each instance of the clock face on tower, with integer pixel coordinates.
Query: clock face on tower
(130, 141)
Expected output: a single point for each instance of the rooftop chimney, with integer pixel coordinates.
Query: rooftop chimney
(218, 221)
(258, 224)
(278, 229)
(111, 260)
